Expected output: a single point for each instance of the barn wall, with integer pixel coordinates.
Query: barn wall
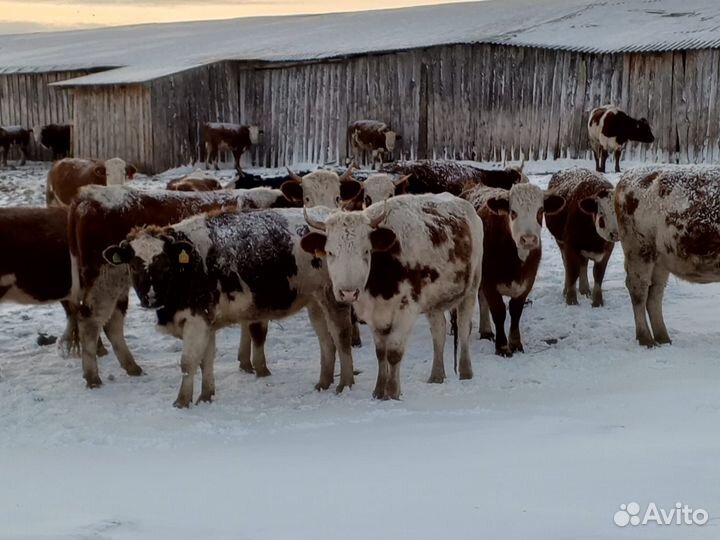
(27, 100)
(484, 102)
(114, 122)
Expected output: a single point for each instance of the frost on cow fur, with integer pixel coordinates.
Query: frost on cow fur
(379, 187)
(115, 171)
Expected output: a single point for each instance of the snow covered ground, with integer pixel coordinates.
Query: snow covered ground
(546, 445)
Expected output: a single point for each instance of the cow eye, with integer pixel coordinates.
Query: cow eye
(337, 200)
(368, 201)
(601, 222)
(307, 199)
(540, 215)
(513, 214)
(330, 254)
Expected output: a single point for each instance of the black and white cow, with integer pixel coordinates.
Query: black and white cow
(409, 255)
(610, 129)
(218, 269)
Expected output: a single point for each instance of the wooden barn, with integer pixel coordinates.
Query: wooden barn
(483, 81)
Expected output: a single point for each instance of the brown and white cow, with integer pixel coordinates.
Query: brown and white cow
(669, 219)
(610, 129)
(225, 136)
(68, 175)
(380, 186)
(400, 258)
(218, 269)
(374, 137)
(15, 135)
(585, 229)
(56, 137)
(439, 176)
(195, 181)
(321, 188)
(103, 216)
(512, 251)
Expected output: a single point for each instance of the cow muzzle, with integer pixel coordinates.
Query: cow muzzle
(348, 296)
(529, 241)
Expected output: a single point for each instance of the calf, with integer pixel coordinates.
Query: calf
(56, 137)
(68, 175)
(17, 135)
(585, 229)
(195, 181)
(610, 129)
(374, 137)
(669, 219)
(321, 188)
(512, 251)
(234, 137)
(104, 216)
(211, 271)
(378, 187)
(397, 259)
(438, 176)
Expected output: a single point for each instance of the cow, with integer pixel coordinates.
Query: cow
(221, 268)
(438, 176)
(585, 229)
(16, 135)
(512, 250)
(56, 137)
(195, 181)
(103, 216)
(321, 188)
(234, 137)
(669, 220)
(67, 176)
(610, 129)
(381, 186)
(38, 269)
(374, 137)
(408, 255)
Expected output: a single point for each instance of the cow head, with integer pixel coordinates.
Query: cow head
(347, 241)
(116, 171)
(378, 187)
(391, 137)
(524, 206)
(321, 188)
(255, 133)
(641, 131)
(602, 209)
(159, 263)
(518, 171)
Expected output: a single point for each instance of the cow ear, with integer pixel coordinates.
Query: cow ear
(349, 189)
(553, 203)
(382, 239)
(130, 171)
(292, 190)
(180, 252)
(99, 172)
(589, 205)
(314, 243)
(119, 254)
(498, 205)
(603, 193)
(401, 185)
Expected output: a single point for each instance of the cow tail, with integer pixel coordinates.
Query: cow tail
(454, 330)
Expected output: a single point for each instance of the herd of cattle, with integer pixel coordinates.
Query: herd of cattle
(416, 237)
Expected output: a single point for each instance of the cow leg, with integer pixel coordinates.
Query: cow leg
(603, 159)
(573, 266)
(396, 343)
(70, 340)
(486, 331)
(245, 348)
(618, 153)
(584, 287)
(654, 305)
(5, 150)
(464, 329)
(115, 331)
(598, 275)
(207, 391)
(516, 306)
(196, 337)
(356, 341)
(497, 309)
(327, 347)
(258, 333)
(23, 154)
(338, 319)
(382, 374)
(638, 280)
(237, 154)
(92, 315)
(437, 329)
(596, 155)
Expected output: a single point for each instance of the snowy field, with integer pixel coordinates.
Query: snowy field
(545, 445)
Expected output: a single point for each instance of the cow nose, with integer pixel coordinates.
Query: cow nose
(529, 240)
(349, 296)
(614, 237)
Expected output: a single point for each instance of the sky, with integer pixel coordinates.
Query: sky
(19, 16)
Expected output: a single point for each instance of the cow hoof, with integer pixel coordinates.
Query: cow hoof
(134, 370)
(517, 347)
(262, 372)
(93, 381)
(181, 403)
(357, 343)
(342, 386)
(379, 395)
(436, 379)
(247, 369)
(487, 335)
(505, 353)
(322, 386)
(664, 340)
(647, 342)
(465, 376)
(205, 398)
(585, 293)
(598, 303)
(571, 301)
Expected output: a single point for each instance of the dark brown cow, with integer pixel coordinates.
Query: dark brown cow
(374, 137)
(586, 229)
(512, 251)
(16, 135)
(194, 182)
(68, 175)
(104, 216)
(438, 176)
(234, 137)
(56, 137)
(610, 129)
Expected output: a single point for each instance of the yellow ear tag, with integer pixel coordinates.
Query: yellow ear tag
(183, 258)
(319, 253)
(116, 258)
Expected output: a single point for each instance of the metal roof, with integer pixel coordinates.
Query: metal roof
(148, 52)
